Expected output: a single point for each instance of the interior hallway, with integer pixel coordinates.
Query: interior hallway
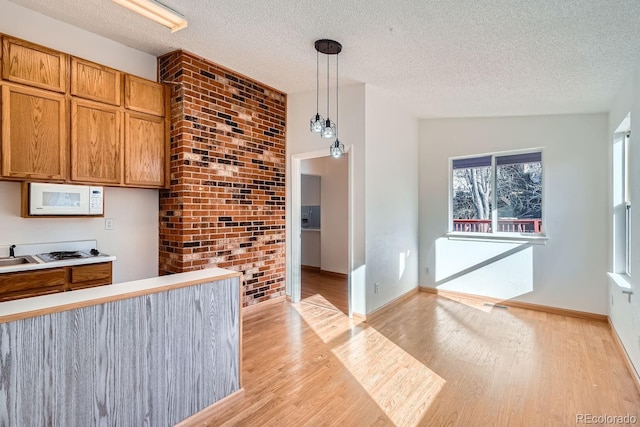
(324, 289)
(429, 361)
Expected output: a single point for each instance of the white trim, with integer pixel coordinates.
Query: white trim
(296, 227)
(494, 211)
(621, 280)
(535, 239)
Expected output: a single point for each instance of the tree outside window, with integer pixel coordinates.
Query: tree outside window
(511, 183)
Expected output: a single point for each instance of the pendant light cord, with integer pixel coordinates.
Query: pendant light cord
(317, 81)
(327, 88)
(337, 98)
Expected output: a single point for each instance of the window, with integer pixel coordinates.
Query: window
(497, 193)
(627, 206)
(621, 198)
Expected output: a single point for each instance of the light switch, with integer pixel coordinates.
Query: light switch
(108, 223)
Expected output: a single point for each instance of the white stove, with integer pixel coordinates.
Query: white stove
(66, 255)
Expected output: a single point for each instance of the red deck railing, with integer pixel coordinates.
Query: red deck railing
(504, 225)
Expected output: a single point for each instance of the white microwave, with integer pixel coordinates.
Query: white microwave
(65, 199)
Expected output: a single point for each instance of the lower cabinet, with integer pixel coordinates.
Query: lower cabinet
(33, 283)
(87, 276)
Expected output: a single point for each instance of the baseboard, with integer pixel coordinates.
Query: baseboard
(251, 309)
(518, 304)
(200, 418)
(627, 360)
(359, 316)
(384, 308)
(324, 272)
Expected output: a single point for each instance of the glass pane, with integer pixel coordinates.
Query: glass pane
(471, 203)
(519, 197)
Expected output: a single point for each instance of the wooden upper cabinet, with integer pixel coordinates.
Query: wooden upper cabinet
(144, 96)
(34, 65)
(145, 150)
(96, 142)
(96, 82)
(34, 136)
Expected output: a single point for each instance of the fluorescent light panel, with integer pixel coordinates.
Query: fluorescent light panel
(156, 12)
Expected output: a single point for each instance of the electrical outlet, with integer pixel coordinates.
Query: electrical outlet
(611, 300)
(108, 223)
(427, 270)
(376, 288)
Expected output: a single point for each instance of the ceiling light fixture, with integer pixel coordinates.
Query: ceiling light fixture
(337, 149)
(327, 128)
(317, 122)
(156, 12)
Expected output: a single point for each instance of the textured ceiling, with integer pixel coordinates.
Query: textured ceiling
(441, 58)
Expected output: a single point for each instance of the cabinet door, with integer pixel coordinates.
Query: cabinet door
(145, 150)
(144, 96)
(95, 143)
(96, 82)
(34, 65)
(31, 283)
(34, 136)
(87, 276)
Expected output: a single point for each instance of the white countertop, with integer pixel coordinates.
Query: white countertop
(34, 306)
(33, 249)
(54, 264)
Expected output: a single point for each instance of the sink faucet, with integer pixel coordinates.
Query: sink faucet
(12, 253)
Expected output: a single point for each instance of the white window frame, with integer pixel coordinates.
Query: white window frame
(627, 203)
(539, 238)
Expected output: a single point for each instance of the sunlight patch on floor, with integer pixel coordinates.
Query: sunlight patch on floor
(402, 387)
(469, 302)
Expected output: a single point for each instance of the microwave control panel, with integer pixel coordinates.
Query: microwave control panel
(96, 200)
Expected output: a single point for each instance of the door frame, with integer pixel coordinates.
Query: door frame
(296, 228)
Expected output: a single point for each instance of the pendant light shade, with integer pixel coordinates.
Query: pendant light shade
(328, 129)
(337, 149)
(317, 122)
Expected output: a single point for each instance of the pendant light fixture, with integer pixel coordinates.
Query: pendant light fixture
(317, 122)
(337, 148)
(328, 128)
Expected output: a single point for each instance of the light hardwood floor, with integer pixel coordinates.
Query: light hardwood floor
(324, 289)
(430, 361)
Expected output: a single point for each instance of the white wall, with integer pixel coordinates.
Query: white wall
(388, 246)
(625, 311)
(391, 199)
(134, 239)
(300, 108)
(569, 271)
(333, 239)
(335, 215)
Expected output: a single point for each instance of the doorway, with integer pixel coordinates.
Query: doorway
(321, 230)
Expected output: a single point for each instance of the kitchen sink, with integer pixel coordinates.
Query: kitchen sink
(19, 260)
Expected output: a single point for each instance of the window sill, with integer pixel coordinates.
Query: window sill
(498, 237)
(623, 281)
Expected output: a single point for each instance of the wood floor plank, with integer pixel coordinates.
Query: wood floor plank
(324, 290)
(432, 361)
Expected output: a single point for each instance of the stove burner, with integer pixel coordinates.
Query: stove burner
(69, 255)
(65, 255)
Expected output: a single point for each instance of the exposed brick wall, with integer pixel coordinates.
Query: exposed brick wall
(226, 204)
